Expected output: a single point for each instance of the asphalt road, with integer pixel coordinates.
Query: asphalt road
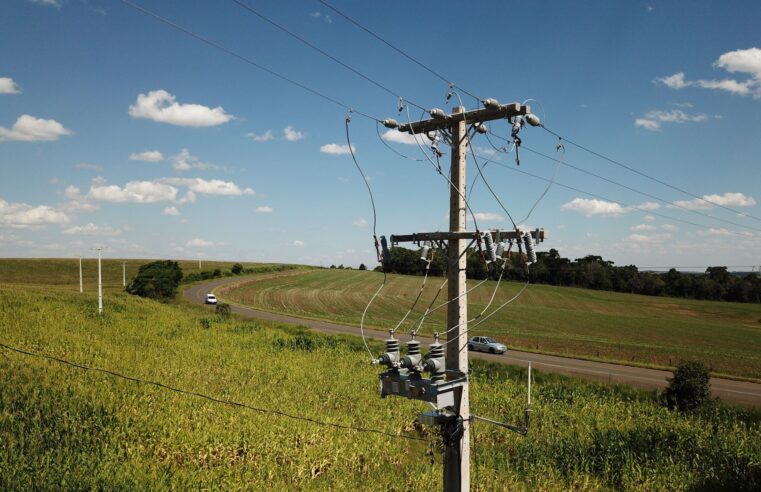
(741, 392)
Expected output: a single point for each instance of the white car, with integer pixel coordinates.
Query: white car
(486, 344)
(211, 299)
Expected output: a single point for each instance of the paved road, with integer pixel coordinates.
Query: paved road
(741, 392)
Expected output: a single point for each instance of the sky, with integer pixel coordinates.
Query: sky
(118, 130)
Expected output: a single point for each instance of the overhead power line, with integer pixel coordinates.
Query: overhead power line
(245, 59)
(206, 397)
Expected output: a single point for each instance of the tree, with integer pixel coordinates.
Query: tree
(156, 280)
(362, 266)
(689, 388)
(237, 269)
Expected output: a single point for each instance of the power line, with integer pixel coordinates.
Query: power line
(316, 48)
(245, 59)
(206, 397)
(645, 175)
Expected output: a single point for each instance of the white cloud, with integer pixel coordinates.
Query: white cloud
(743, 61)
(675, 81)
(30, 129)
(86, 165)
(147, 156)
(653, 119)
(643, 227)
(361, 222)
(653, 238)
(172, 211)
(401, 137)
(210, 186)
(189, 197)
(22, 215)
(52, 3)
(92, 230)
(728, 85)
(648, 218)
(291, 134)
(593, 207)
(133, 192)
(264, 137)
(202, 243)
(8, 86)
(727, 199)
(669, 227)
(162, 106)
(298, 243)
(646, 206)
(716, 232)
(337, 149)
(185, 161)
(488, 217)
(264, 209)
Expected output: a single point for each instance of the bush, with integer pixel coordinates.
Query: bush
(362, 267)
(157, 280)
(223, 309)
(217, 273)
(237, 269)
(690, 387)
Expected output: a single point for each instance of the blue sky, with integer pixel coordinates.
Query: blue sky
(116, 129)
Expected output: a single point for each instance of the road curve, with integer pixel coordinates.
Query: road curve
(740, 392)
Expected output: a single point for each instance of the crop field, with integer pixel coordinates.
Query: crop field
(635, 329)
(64, 272)
(62, 427)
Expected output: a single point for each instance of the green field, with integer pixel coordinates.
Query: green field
(64, 428)
(627, 328)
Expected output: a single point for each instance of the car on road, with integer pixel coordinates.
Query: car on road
(486, 344)
(210, 299)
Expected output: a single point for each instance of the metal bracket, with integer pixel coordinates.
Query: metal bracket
(412, 385)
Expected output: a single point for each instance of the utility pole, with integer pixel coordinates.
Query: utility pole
(100, 281)
(447, 389)
(124, 274)
(80, 275)
(199, 263)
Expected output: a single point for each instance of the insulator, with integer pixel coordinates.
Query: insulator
(500, 250)
(386, 253)
(517, 125)
(533, 119)
(412, 359)
(529, 243)
(481, 128)
(391, 357)
(424, 252)
(390, 123)
(435, 363)
(438, 113)
(491, 248)
(491, 103)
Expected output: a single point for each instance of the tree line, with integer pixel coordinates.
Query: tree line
(592, 272)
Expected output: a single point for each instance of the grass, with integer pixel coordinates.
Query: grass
(63, 428)
(635, 329)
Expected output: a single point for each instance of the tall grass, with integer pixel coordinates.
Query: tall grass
(63, 428)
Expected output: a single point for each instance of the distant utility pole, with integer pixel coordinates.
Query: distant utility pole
(450, 397)
(80, 275)
(199, 263)
(124, 274)
(100, 281)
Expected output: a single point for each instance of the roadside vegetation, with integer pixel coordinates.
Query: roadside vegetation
(62, 427)
(634, 329)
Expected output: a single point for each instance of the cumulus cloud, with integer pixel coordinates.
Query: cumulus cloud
(87, 165)
(361, 222)
(171, 211)
(264, 137)
(652, 120)
(22, 215)
(8, 86)
(648, 239)
(727, 200)
(92, 230)
(210, 186)
(298, 243)
(291, 134)
(590, 207)
(30, 129)
(742, 61)
(401, 137)
(202, 243)
(163, 107)
(147, 156)
(648, 218)
(185, 161)
(488, 217)
(643, 227)
(264, 209)
(337, 149)
(133, 192)
(669, 227)
(51, 3)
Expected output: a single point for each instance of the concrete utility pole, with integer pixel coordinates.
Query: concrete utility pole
(199, 263)
(80, 275)
(450, 397)
(124, 274)
(100, 282)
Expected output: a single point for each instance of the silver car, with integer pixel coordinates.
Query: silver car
(486, 344)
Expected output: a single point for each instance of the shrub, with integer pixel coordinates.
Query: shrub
(217, 273)
(237, 269)
(223, 309)
(157, 280)
(362, 266)
(689, 388)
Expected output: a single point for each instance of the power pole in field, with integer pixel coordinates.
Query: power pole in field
(99, 249)
(80, 275)
(447, 389)
(124, 274)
